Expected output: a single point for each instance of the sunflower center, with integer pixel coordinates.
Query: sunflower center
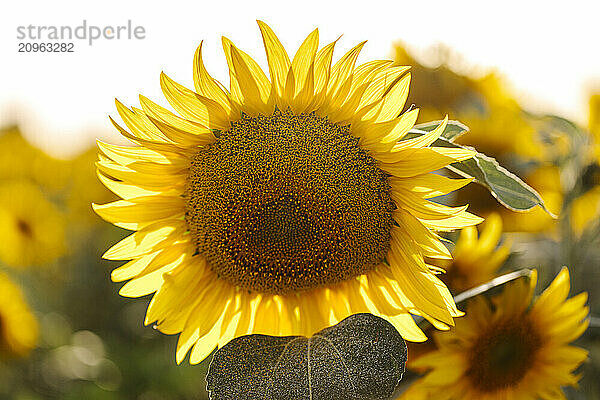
(288, 202)
(503, 355)
(24, 228)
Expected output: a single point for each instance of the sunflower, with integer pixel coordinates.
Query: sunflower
(475, 260)
(19, 160)
(18, 326)
(508, 348)
(281, 206)
(31, 227)
(585, 209)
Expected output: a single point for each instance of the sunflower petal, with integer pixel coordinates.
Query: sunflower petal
(454, 222)
(428, 241)
(250, 88)
(394, 100)
(423, 208)
(410, 162)
(141, 209)
(164, 180)
(322, 71)
(177, 129)
(340, 82)
(383, 136)
(380, 85)
(160, 147)
(148, 283)
(139, 125)
(361, 79)
(302, 85)
(126, 155)
(181, 286)
(207, 86)
(196, 108)
(278, 60)
(145, 241)
(131, 268)
(204, 322)
(429, 185)
(424, 140)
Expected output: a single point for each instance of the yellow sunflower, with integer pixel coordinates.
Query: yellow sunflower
(18, 326)
(31, 227)
(509, 348)
(19, 160)
(475, 260)
(585, 209)
(281, 206)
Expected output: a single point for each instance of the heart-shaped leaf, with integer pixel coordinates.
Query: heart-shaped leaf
(362, 357)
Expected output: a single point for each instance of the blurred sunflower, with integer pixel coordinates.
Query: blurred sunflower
(475, 260)
(498, 127)
(85, 188)
(509, 348)
(284, 205)
(18, 326)
(585, 209)
(31, 227)
(19, 160)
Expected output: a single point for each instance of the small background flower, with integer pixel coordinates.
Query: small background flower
(508, 347)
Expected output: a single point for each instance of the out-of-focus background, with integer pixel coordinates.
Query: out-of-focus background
(524, 76)
(546, 49)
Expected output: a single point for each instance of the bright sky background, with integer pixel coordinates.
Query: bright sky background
(548, 50)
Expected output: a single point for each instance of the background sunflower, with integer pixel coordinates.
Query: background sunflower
(18, 326)
(508, 348)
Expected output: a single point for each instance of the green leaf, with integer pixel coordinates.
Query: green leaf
(506, 187)
(453, 130)
(362, 357)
